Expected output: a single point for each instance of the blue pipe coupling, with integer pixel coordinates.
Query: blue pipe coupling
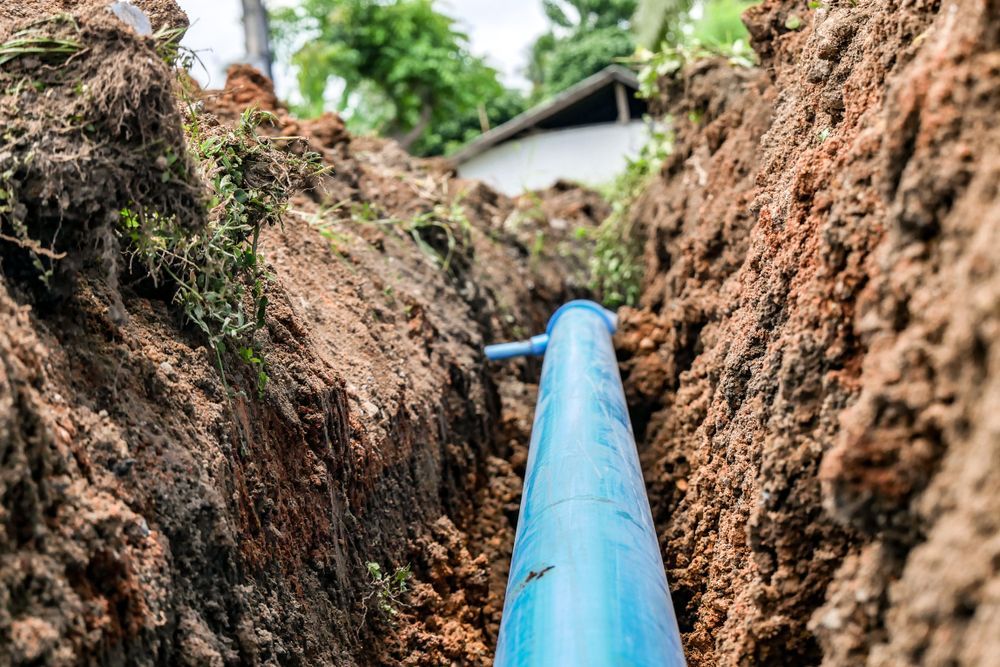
(587, 585)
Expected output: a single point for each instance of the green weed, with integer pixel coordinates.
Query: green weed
(538, 245)
(31, 42)
(671, 59)
(219, 274)
(387, 590)
(616, 265)
(438, 233)
(443, 220)
(168, 47)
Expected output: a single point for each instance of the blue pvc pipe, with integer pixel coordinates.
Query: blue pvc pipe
(524, 348)
(587, 584)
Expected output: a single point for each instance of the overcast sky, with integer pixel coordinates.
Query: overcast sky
(500, 30)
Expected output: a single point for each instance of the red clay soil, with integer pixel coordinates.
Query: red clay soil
(814, 364)
(811, 367)
(146, 518)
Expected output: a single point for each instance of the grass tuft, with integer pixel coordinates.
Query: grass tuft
(31, 41)
(218, 272)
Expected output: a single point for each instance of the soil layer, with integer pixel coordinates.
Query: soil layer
(814, 363)
(812, 367)
(151, 513)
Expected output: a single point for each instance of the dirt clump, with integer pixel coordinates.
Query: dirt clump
(92, 126)
(162, 14)
(811, 363)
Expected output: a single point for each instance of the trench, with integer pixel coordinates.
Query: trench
(810, 377)
(491, 523)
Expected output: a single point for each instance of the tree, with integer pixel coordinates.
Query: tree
(584, 37)
(451, 134)
(587, 53)
(404, 67)
(578, 15)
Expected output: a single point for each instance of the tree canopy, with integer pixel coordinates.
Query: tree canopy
(580, 15)
(405, 69)
(584, 37)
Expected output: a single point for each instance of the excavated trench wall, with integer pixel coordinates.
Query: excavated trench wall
(814, 364)
(152, 514)
(811, 372)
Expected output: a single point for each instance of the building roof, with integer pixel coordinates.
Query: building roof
(585, 103)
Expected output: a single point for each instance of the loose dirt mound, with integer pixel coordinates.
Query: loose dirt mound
(152, 514)
(815, 360)
(91, 126)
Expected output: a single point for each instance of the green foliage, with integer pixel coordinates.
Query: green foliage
(387, 589)
(616, 264)
(33, 41)
(584, 37)
(575, 58)
(720, 26)
(168, 46)
(671, 59)
(659, 22)
(218, 273)
(440, 232)
(616, 268)
(449, 134)
(589, 14)
(442, 222)
(719, 33)
(404, 66)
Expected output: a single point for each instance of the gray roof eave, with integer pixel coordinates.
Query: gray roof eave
(535, 115)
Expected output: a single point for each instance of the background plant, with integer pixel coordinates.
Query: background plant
(404, 69)
(441, 232)
(584, 37)
(616, 263)
(712, 23)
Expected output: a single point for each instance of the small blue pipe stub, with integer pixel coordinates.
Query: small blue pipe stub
(536, 345)
(587, 585)
(533, 347)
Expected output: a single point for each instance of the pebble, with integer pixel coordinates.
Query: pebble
(167, 369)
(832, 620)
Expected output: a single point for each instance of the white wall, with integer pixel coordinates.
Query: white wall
(591, 154)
